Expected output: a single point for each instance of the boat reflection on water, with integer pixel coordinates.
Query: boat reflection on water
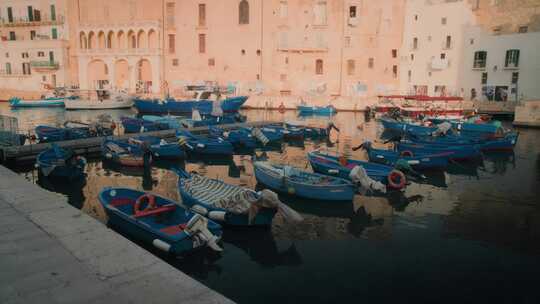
(498, 162)
(72, 189)
(261, 247)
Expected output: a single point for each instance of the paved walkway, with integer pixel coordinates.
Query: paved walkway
(51, 252)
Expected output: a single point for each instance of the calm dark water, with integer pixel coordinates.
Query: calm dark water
(471, 233)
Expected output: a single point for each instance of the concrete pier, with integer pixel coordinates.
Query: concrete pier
(51, 252)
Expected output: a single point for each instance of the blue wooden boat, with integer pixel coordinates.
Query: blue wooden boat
(230, 204)
(241, 138)
(9, 138)
(505, 142)
(315, 110)
(158, 221)
(173, 122)
(402, 127)
(210, 120)
(293, 181)
(391, 158)
(123, 153)
(199, 145)
(159, 148)
(58, 162)
(137, 125)
(311, 132)
(52, 134)
(171, 105)
(491, 128)
(289, 132)
(340, 166)
(458, 152)
(16, 102)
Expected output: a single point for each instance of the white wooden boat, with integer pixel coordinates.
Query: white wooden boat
(105, 100)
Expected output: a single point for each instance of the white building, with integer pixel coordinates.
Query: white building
(500, 67)
(33, 45)
(432, 46)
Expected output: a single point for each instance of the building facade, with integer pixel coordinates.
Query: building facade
(432, 47)
(34, 42)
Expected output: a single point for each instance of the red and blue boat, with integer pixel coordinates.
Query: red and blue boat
(158, 221)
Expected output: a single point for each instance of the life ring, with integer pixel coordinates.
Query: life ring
(396, 179)
(281, 108)
(406, 153)
(151, 203)
(342, 161)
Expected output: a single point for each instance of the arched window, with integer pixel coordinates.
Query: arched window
(243, 12)
(319, 67)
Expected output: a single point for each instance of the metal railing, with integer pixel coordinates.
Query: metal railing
(45, 64)
(25, 21)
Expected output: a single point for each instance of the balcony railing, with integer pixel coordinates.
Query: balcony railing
(24, 21)
(45, 64)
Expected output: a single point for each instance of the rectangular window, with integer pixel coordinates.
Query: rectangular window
(53, 12)
(202, 43)
(24, 55)
(443, 55)
(172, 44)
(30, 14)
(202, 14)
(26, 68)
(523, 29)
(319, 67)
(320, 13)
(10, 14)
(515, 77)
(394, 53)
(448, 42)
(484, 78)
(351, 67)
(211, 62)
(41, 54)
(394, 71)
(415, 43)
(409, 75)
(51, 58)
(12, 36)
(175, 62)
(283, 9)
(8, 68)
(54, 33)
(512, 59)
(443, 21)
(480, 58)
(32, 35)
(371, 63)
(170, 14)
(283, 77)
(352, 11)
(37, 15)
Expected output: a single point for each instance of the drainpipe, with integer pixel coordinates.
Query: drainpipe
(262, 41)
(342, 46)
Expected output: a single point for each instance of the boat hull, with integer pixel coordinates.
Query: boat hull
(229, 105)
(97, 105)
(329, 192)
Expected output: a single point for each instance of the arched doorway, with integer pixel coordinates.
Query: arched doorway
(83, 41)
(121, 40)
(111, 43)
(121, 74)
(98, 75)
(153, 40)
(91, 40)
(132, 40)
(144, 76)
(141, 40)
(101, 40)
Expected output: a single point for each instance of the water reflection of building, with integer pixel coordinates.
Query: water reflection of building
(511, 223)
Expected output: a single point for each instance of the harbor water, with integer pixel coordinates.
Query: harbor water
(471, 232)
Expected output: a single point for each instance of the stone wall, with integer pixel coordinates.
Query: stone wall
(528, 114)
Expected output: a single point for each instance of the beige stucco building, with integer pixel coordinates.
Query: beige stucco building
(34, 46)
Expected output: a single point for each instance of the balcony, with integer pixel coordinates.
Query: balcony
(44, 65)
(438, 64)
(25, 22)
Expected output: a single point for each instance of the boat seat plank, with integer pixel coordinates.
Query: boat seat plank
(172, 230)
(162, 209)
